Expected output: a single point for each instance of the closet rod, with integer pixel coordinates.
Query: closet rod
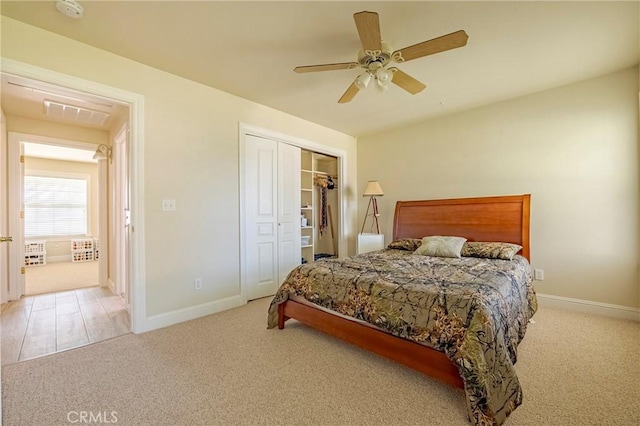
(325, 174)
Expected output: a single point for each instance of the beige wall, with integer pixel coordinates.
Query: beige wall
(574, 148)
(191, 155)
(62, 246)
(55, 130)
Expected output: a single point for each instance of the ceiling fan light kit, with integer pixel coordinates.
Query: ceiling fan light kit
(383, 76)
(376, 55)
(362, 81)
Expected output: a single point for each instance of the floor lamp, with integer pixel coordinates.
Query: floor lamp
(373, 190)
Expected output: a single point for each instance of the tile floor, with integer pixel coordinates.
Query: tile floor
(44, 324)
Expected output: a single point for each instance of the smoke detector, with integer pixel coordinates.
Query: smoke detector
(70, 8)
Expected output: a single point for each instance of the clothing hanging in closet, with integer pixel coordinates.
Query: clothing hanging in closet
(324, 182)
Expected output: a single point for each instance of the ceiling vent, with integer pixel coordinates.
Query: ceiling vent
(74, 113)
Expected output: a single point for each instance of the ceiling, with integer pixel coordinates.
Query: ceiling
(24, 97)
(249, 49)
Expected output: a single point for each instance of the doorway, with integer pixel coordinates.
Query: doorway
(71, 87)
(63, 302)
(58, 213)
(60, 187)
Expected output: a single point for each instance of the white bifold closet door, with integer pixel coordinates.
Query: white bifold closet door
(272, 214)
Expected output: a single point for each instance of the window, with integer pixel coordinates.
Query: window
(55, 206)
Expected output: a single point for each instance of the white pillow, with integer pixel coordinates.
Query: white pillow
(440, 246)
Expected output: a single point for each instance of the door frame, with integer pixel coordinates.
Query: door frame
(4, 223)
(119, 201)
(135, 101)
(245, 129)
(15, 173)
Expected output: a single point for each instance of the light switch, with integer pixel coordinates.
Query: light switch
(168, 205)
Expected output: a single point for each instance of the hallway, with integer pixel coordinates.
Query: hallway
(44, 324)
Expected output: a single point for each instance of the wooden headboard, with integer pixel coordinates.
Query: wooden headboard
(503, 218)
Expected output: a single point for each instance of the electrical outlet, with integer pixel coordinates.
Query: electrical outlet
(197, 283)
(168, 205)
(538, 274)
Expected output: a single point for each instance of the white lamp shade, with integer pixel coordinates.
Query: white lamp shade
(373, 189)
(103, 152)
(363, 80)
(384, 76)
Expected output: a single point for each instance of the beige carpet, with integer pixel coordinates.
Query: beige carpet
(227, 369)
(60, 276)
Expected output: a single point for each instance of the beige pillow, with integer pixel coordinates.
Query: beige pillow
(440, 246)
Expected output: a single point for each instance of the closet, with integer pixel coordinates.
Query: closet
(272, 213)
(319, 212)
(290, 210)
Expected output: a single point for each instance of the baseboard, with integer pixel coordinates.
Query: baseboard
(112, 285)
(181, 315)
(587, 306)
(56, 259)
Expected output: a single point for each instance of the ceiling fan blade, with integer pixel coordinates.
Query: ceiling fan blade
(406, 82)
(436, 45)
(326, 67)
(349, 93)
(368, 25)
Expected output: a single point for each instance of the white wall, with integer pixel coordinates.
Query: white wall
(574, 148)
(191, 155)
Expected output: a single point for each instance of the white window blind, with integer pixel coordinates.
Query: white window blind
(55, 206)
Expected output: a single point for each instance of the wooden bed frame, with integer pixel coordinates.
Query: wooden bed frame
(502, 218)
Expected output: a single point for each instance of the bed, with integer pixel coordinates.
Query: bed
(458, 320)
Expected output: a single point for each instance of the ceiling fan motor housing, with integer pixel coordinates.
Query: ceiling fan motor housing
(369, 58)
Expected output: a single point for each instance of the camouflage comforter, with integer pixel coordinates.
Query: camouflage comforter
(474, 310)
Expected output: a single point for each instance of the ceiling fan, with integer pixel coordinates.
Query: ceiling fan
(376, 55)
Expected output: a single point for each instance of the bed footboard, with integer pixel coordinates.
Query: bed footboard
(411, 354)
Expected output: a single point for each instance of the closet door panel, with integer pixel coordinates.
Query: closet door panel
(261, 201)
(288, 209)
(264, 261)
